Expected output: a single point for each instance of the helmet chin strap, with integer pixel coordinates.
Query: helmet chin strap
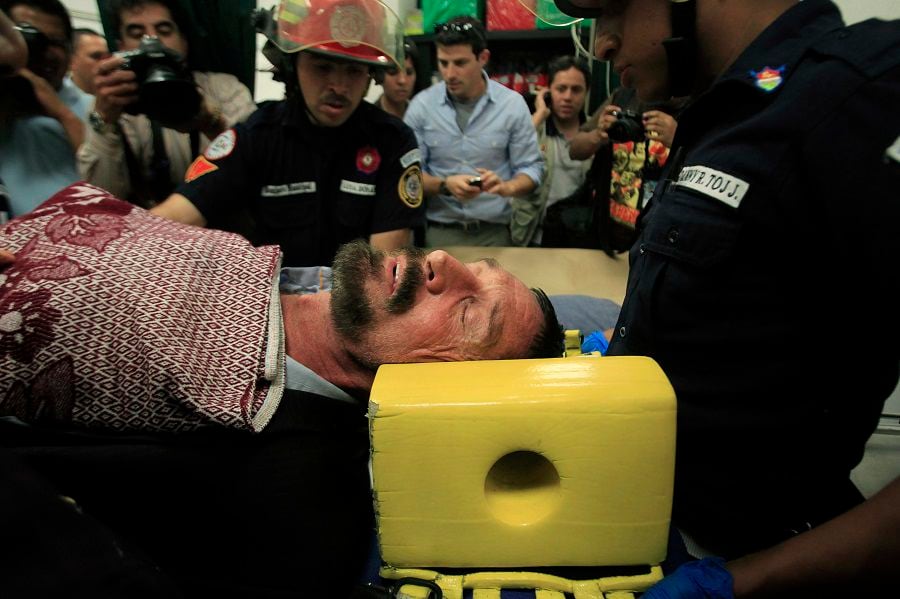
(681, 48)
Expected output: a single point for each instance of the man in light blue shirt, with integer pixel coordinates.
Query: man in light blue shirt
(478, 145)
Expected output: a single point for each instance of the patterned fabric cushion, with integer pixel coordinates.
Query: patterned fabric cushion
(114, 318)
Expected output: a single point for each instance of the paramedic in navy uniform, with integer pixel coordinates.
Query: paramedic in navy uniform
(320, 168)
(764, 279)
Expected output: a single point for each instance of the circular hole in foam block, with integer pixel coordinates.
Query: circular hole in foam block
(522, 488)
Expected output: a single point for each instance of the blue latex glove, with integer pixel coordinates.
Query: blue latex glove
(704, 579)
(595, 342)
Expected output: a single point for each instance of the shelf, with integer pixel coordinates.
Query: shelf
(520, 35)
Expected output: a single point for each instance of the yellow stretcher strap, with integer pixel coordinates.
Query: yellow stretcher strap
(573, 343)
(487, 585)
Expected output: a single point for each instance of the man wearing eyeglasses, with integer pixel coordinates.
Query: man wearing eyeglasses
(478, 145)
(42, 113)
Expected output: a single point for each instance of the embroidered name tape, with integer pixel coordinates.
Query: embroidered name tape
(360, 189)
(411, 157)
(277, 191)
(715, 184)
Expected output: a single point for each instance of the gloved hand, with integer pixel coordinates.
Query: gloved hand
(596, 341)
(703, 579)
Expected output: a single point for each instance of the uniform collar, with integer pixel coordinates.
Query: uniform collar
(294, 115)
(783, 43)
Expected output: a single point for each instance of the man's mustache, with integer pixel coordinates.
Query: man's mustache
(413, 277)
(336, 99)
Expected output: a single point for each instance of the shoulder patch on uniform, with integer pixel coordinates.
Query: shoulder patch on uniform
(411, 157)
(410, 188)
(714, 184)
(198, 168)
(221, 146)
(893, 151)
(768, 79)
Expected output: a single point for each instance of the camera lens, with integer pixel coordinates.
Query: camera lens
(627, 127)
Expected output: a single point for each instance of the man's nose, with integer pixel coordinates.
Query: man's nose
(606, 45)
(445, 273)
(341, 80)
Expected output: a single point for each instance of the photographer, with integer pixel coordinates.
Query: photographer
(631, 144)
(41, 110)
(13, 51)
(143, 158)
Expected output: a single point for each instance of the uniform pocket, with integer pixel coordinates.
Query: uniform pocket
(691, 229)
(288, 212)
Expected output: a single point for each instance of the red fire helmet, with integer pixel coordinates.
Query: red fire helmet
(366, 31)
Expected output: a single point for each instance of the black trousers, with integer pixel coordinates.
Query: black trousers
(283, 513)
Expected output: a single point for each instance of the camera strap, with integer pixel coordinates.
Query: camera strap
(160, 167)
(140, 191)
(161, 184)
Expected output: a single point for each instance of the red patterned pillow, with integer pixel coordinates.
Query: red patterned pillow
(111, 317)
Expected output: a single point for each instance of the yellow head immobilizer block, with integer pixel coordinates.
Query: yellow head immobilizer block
(523, 463)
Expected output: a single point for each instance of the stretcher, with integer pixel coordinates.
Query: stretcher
(523, 474)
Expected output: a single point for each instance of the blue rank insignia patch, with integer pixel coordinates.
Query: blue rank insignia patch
(768, 79)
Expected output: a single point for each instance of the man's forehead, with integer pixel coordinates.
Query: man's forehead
(522, 318)
(141, 14)
(461, 50)
(89, 39)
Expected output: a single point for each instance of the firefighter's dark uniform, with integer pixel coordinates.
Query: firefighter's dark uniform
(764, 278)
(277, 179)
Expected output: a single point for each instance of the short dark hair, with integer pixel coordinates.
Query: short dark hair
(78, 32)
(564, 63)
(115, 7)
(461, 30)
(550, 340)
(51, 7)
(409, 51)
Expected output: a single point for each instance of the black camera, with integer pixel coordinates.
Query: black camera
(629, 126)
(18, 93)
(36, 42)
(166, 88)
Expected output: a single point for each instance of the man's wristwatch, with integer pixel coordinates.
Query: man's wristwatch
(99, 125)
(443, 189)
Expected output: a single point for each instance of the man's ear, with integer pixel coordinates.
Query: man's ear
(484, 56)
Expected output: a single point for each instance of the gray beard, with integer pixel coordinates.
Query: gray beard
(354, 264)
